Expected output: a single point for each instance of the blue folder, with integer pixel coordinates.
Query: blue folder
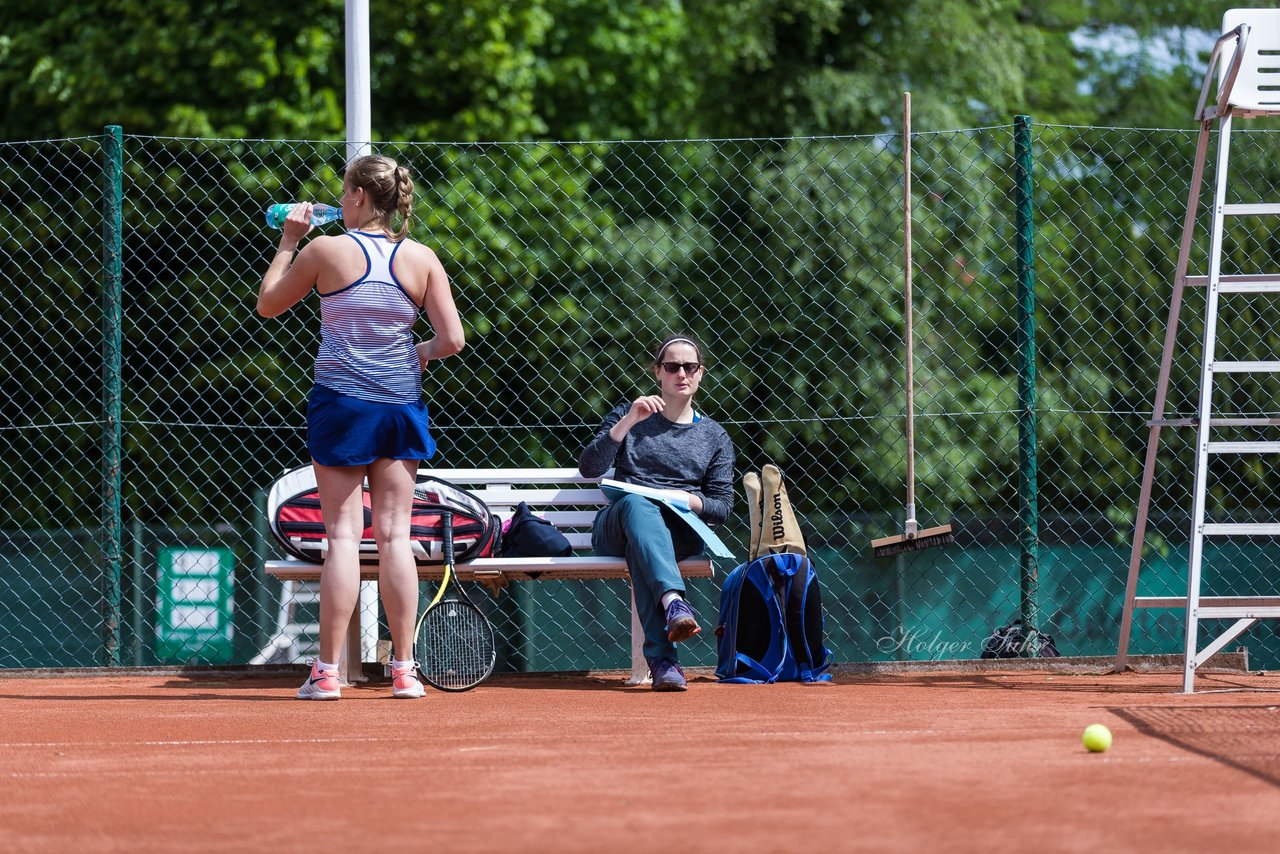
(615, 489)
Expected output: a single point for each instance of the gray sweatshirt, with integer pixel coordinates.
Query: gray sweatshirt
(696, 458)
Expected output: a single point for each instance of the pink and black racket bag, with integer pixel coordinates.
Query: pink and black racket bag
(293, 511)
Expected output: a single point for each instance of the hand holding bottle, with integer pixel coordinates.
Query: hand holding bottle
(297, 225)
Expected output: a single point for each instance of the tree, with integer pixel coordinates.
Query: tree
(219, 68)
(604, 245)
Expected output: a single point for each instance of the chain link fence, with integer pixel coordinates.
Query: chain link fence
(569, 262)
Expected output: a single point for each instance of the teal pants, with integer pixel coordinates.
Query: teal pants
(652, 539)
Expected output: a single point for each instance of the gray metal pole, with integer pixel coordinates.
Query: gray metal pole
(112, 277)
(1029, 516)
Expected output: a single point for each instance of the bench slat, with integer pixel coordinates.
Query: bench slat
(462, 477)
(567, 518)
(515, 568)
(500, 496)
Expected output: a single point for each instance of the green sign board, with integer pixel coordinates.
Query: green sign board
(193, 605)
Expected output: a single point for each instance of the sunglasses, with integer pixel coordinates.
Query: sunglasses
(688, 367)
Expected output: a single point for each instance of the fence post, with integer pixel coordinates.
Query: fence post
(252, 585)
(1028, 513)
(112, 529)
(137, 534)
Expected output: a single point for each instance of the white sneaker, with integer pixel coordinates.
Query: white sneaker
(405, 684)
(320, 685)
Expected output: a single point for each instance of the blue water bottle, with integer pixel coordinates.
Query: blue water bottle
(320, 214)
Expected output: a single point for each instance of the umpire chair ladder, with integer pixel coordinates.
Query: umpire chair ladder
(1248, 64)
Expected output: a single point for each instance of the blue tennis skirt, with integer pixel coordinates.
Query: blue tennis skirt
(347, 431)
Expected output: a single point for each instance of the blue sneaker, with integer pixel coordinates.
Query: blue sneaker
(682, 622)
(667, 675)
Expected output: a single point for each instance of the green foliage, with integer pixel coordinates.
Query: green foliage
(590, 69)
(570, 259)
(217, 68)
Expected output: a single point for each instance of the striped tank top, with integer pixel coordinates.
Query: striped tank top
(366, 332)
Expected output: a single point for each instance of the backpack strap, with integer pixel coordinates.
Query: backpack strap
(754, 667)
(794, 610)
(797, 597)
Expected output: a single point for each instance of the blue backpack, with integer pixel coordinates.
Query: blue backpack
(770, 626)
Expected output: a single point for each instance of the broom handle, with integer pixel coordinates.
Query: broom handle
(906, 229)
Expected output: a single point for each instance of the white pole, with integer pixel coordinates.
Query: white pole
(359, 124)
(359, 134)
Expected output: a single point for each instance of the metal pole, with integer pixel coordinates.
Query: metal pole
(910, 527)
(112, 528)
(261, 605)
(359, 122)
(135, 598)
(1029, 517)
(359, 133)
(1204, 410)
(900, 603)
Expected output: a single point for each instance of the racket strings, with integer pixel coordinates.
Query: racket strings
(456, 646)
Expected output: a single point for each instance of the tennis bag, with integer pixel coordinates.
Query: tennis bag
(770, 627)
(1010, 641)
(293, 513)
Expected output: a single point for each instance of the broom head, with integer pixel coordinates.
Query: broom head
(928, 538)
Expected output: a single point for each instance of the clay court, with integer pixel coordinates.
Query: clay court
(928, 761)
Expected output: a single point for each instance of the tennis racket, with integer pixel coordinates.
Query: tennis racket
(454, 644)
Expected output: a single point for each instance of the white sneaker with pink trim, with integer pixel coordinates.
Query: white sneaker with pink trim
(320, 685)
(405, 684)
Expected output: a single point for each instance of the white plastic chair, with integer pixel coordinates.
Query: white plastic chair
(1247, 60)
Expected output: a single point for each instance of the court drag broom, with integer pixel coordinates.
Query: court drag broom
(912, 538)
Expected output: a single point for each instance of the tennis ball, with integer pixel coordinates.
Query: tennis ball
(1097, 738)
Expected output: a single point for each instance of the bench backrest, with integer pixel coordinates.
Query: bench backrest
(560, 495)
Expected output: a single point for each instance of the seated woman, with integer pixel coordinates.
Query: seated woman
(661, 441)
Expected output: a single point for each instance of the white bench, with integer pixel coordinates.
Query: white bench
(560, 495)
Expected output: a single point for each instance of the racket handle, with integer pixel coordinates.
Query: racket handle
(446, 520)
